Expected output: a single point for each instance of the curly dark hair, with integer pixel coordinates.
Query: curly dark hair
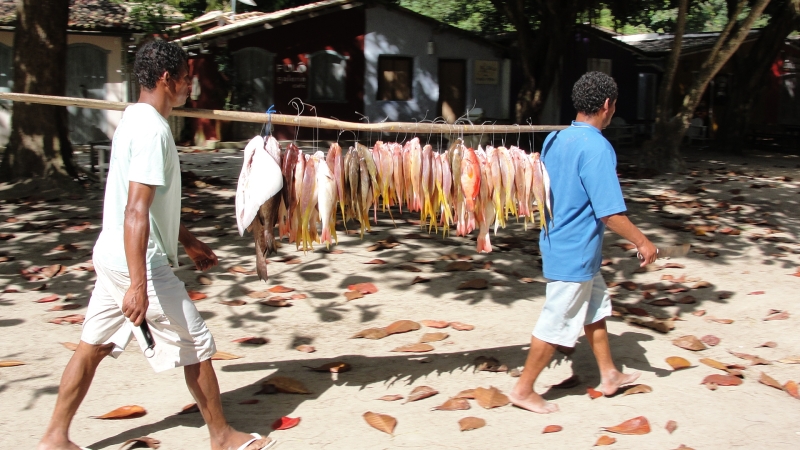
(591, 91)
(156, 57)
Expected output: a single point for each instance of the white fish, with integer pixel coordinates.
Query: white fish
(326, 202)
(259, 180)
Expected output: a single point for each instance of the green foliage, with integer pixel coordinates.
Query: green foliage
(479, 16)
(660, 16)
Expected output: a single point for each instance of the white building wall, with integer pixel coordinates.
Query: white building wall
(395, 33)
(115, 85)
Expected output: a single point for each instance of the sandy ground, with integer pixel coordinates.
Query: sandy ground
(751, 415)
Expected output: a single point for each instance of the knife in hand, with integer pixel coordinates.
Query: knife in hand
(673, 251)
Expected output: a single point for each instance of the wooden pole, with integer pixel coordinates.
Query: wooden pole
(289, 120)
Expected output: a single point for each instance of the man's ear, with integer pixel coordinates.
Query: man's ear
(165, 77)
(607, 104)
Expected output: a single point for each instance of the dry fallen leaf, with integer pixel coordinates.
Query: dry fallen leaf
(381, 422)
(391, 398)
(237, 302)
(276, 302)
(722, 380)
(66, 307)
(769, 381)
(241, 270)
(604, 440)
(757, 293)
(629, 285)
(364, 288)
(332, 367)
(781, 315)
(718, 320)
(139, 442)
(671, 426)
(552, 429)
(593, 393)
(284, 423)
(195, 296)
(287, 385)
(754, 360)
(435, 323)
(376, 262)
(224, 356)
(687, 300)
(461, 326)
(458, 266)
(353, 295)
(663, 326)
(251, 340)
(710, 340)
(414, 348)
(490, 398)
(420, 280)
(408, 268)
(466, 393)
(475, 284)
(280, 289)
(790, 360)
(124, 412)
(678, 363)
(702, 285)
(433, 337)
(637, 425)
(699, 312)
(453, 404)
(689, 342)
(791, 388)
(371, 333)
(259, 294)
(638, 389)
(471, 423)
(70, 346)
(305, 348)
(768, 344)
(48, 299)
(9, 363)
(402, 326)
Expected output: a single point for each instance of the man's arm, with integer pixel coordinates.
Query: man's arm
(202, 255)
(136, 233)
(620, 224)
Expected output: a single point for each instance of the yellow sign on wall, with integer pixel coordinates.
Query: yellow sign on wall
(487, 72)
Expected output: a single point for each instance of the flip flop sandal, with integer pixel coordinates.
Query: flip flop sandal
(256, 437)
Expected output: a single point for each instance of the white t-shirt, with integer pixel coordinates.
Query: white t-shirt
(143, 151)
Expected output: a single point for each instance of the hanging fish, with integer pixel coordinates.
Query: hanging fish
(326, 201)
(470, 178)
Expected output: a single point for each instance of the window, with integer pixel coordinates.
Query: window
(394, 78)
(646, 98)
(327, 75)
(599, 65)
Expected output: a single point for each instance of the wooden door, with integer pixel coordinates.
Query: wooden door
(452, 89)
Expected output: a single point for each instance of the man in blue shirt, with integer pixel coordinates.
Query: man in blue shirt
(586, 197)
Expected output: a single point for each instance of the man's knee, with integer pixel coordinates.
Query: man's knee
(94, 351)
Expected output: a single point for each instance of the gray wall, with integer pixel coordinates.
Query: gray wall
(396, 33)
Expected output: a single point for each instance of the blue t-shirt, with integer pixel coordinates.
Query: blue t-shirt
(584, 188)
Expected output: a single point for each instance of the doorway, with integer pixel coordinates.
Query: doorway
(86, 78)
(452, 89)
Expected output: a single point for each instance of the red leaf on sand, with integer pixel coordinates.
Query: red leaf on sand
(637, 425)
(435, 323)
(280, 289)
(791, 388)
(284, 423)
(195, 296)
(671, 426)
(70, 319)
(364, 288)
(769, 381)
(552, 429)
(779, 315)
(298, 296)
(66, 307)
(722, 380)
(124, 412)
(593, 394)
(710, 340)
(757, 293)
(48, 299)
(391, 397)
(604, 440)
(189, 409)
(461, 326)
(376, 261)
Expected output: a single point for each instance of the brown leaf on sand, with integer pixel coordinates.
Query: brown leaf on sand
(687, 300)
(490, 398)
(70, 319)
(466, 393)
(276, 302)
(721, 366)
(791, 388)
(724, 294)
(769, 381)
(332, 367)
(364, 288)
(780, 315)
(8, 363)
(298, 296)
(251, 340)
(420, 392)
(710, 340)
(433, 337)
(280, 289)
(420, 280)
(475, 283)
(51, 271)
(689, 342)
(552, 429)
(678, 363)
(754, 360)
(204, 280)
(402, 326)
(699, 313)
(376, 262)
(48, 299)
(66, 307)
(490, 364)
(408, 268)
(195, 296)
(768, 344)
(305, 348)
(790, 360)
(237, 302)
(461, 326)
(241, 270)
(569, 383)
(414, 348)
(660, 325)
(353, 295)
(424, 260)
(671, 426)
(604, 440)
(471, 423)
(637, 425)
(435, 323)
(629, 285)
(722, 380)
(287, 385)
(718, 320)
(638, 389)
(259, 294)
(139, 442)
(41, 287)
(593, 393)
(662, 302)
(702, 285)
(391, 397)
(123, 412)
(756, 293)
(453, 404)
(458, 266)
(371, 333)
(224, 356)
(70, 346)
(381, 422)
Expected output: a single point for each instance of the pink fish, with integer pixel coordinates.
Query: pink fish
(416, 173)
(398, 177)
(470, 178)
(507, 171)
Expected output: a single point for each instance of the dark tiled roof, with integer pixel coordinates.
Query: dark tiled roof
(96, 15)
(663, 43)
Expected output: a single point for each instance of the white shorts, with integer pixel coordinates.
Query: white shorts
(568, 307)
(180, 334)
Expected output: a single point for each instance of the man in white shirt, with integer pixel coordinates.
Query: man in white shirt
(132, 257)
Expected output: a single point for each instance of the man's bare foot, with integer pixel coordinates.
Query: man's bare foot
(533, 402)
(56, 444)
(612, 381)
(236, 438)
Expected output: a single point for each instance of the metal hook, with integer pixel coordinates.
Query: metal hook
(299, 108)
(267, 128)
(363, 117)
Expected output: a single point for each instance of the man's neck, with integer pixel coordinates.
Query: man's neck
(157, 100)
(594, 120)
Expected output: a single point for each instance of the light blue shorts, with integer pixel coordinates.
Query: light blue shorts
(568, 307)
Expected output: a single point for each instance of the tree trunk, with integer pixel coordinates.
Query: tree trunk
(750, 75)
(540, 52)
(39, 145)
(662, 152)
